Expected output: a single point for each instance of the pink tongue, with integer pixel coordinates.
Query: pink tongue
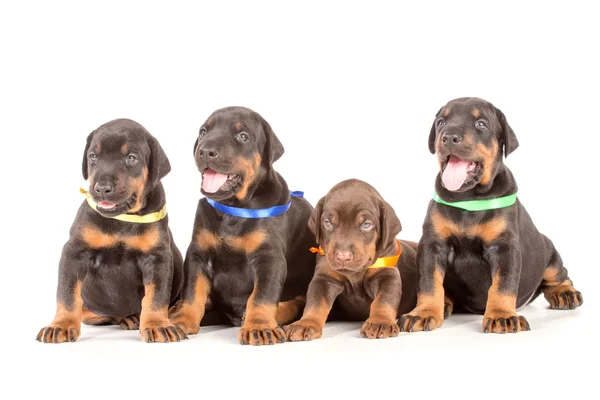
(455, 173)
(212, 180)
(107, 204)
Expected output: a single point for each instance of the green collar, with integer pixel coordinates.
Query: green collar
(480, 205)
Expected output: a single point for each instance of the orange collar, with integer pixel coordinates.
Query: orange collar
(382, 262)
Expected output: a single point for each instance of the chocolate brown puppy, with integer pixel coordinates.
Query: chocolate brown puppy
(120, 264)
(250, 244)
(362, 266)
(479, 245)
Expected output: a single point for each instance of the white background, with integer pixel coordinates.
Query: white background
(351, 89)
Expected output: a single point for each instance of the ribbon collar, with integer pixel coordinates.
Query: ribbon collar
(274, 211)
(479, 205)
(136, 219)
(381, 262)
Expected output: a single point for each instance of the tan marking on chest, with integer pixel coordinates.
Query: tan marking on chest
(487, 231)
(206, 240)
(96, 239)
(248, 243)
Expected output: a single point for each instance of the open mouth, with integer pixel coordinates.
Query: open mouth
(213, 181)
(457, 172)
(110, 208)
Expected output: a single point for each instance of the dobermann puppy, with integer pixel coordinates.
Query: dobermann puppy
(362, 266)
(479, 245)
(120, 264)
(238, 268)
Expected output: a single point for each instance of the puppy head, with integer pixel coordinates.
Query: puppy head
(123, 163)
(470, 136)
(234, 149)
(353, 225)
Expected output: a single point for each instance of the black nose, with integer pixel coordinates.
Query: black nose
(104, 188)
(208, 153)
(450, 139)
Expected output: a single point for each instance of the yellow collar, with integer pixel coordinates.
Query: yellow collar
(136, 219)
(382, 262)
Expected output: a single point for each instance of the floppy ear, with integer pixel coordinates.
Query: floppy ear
(84, 166)
(159, 165)
(508, 139)
(273, 147)
(314, 222)
(432, 133)
(389, 224)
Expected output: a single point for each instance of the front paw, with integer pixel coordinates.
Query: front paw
(421, 320)
(374, 328)
(504, 322)
(59, 332)
(260, 333)
(185, 319)
(303, 330)
(161, 331)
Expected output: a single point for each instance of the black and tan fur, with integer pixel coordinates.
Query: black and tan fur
(116, 272)
(490, 262)
(251, 273)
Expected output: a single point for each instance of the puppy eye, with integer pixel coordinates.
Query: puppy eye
(131, 159)
(243, 137)
(441, 123)
(202, 133)
(481, 125)
(93, 157)
(366, 225)
(327, 224)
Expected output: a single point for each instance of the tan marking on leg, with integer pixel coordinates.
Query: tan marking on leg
(381, 323)
(66, 326)
(429, 312)
(249, 170)
(260, 325)
(189, 314)
(206, 240)
(248, 243)
(288, 311)
(154, 320)
(561, 295)
(144, 242)
(501, 311)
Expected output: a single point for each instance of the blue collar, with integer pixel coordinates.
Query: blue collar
(257, 213)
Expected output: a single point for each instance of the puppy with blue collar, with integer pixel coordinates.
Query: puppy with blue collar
(248, 263)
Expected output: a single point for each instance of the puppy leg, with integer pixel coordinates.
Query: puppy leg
(154, 318)
(557, 287)
(387, 287)
(432, 260)
(322, 292)
(288, 311)
(130, 323)
(260, 325)
(501, 307)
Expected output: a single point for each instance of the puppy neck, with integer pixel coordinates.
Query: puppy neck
(268, 190)
(153, 201)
